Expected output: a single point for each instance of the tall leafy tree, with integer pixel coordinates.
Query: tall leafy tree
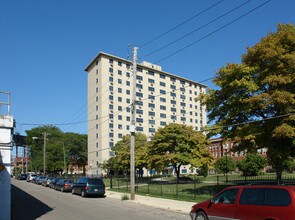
(122, 152)
(225, 164)
(252, 164)
(75, 146)
(261, 89)
(176, 145)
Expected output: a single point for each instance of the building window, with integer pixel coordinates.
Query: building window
(127, 74)
(127, 83)
(162, 99)
(152, 97)
(151, 73)
(111, 88)
(120, 117)
(162, 91)
(120, 126)
(111, 144)
(152, 130)
(139, 86)
(119, 99)
(162, 107)
(151, 81)
(111, 97)
(111, 70)
(151, 122)
(172, 87)
(173, 102)
(173, 94)
(151, 89)
(139, 94)
(128, 101)
(139, 69)
(162, 76)
(182, 104)
(172, 79)
(139, 111)
(183, 119)
(119, 63)
(139, 77)
(111, 125)
(111, 107)
(163, 123)
(182, 96)
(119, 72)
(173, 117)
(151, 113)
(139, 120)
(120, 135)
(111, 135)
(139, 128)
(151, 105)
(119, 90)
(182, 111)
(128, 119)
(162, 84)
(111, 116)
(111, 61)
(173, 109)
(111, 79)
(119, 108)
(162, 115)
(128, 109)
(127, 91)
(120, 81)
(139, 103)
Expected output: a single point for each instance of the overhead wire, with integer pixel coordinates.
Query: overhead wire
(213, 32)
(197, 29)
(182, 23)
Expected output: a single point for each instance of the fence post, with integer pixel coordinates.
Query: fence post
(161, 186)
(195, 188)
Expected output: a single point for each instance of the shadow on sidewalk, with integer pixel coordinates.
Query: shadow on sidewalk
(26, 207)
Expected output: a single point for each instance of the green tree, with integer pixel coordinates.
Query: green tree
(176, 145)
(122, 152)
(260, 89)
(75, 148)
(225, 165)
(251, 165)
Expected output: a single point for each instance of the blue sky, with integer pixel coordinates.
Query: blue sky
(45, 46)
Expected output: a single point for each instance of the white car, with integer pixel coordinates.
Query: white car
(31, 177)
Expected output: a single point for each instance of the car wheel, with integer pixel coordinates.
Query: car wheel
(73, 191)
(83, 194)
(62, 189)
(201, 216)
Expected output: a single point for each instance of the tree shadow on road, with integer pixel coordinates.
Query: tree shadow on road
(26, 207)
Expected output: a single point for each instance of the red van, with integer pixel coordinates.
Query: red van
(248, 203)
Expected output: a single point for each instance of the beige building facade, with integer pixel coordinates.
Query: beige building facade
(161, 97)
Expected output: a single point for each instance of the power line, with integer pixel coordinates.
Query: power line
(199, 28)
(177, 26)
(213, 32)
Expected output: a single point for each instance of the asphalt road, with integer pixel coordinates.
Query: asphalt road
(30, 201)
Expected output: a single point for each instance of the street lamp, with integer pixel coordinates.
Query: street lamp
(44, 151)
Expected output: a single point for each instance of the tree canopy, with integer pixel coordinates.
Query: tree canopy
(255, 104)
(176, 145)
(75, 146)
(252, 164)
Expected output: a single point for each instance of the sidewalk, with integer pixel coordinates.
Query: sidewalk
(168, 204)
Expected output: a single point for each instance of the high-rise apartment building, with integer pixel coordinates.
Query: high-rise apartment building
(161, 97)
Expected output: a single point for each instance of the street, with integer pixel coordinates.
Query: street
(30, 201)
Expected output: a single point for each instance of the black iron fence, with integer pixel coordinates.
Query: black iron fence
(190, 187)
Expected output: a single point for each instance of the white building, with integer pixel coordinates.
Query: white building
(161, 97)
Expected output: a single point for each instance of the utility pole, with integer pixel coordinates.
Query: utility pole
(132, 127)
(26, 159)
(44, 154)
(65, 166)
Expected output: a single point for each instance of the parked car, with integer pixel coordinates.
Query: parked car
(248, 202)
(22, 176)
(53, 182)
(64, 185)
(89, 186)
(40, 179)
(31, 177)
(47, 181)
